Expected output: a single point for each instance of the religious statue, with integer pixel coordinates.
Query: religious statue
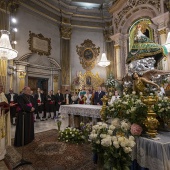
(143, 47)
(139, 83)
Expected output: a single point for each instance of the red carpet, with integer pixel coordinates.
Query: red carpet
(47, 153)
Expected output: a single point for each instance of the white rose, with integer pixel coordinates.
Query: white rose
(99, 123)
(110, 132)
(106, 142)
(131, 144)
(124, 93)
(131, 138)
(141, 93)
(104, 125)
(116, 122)
(114, 138)
(125, 126)
(133, 92)
(102, 135)
(120, 139)
(116, 144)
(98, 142)
(92, 136)
(127, 149)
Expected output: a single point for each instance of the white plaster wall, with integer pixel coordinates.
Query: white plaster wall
(29, 21)
(78, 37)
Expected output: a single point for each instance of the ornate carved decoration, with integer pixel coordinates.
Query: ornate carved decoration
(11, 5)
(65, 31)
(107, 34)
(88, 54)
(88, 79)
(131, 4)
(39, 44)
(162, 31)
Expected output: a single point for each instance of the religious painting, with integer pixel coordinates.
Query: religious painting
(88, 53)
(39, 44)
(88, 80)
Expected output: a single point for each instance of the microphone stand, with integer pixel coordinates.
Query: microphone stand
(22, 161)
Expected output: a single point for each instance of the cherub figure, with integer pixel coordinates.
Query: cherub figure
(140, 81)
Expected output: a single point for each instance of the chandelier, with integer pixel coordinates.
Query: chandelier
(103, 61)
(6, 50)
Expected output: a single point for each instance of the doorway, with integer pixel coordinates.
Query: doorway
(37, 82)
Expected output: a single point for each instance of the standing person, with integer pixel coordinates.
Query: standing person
(98, 95)
(27, 106)
(59, 98)
(39, 98)
(115, 97)
(81, 95)
(50, 105)
(92, 97)
(12, 100)
(87, 97)
(74, 98)
(5, 125)
(67, 97)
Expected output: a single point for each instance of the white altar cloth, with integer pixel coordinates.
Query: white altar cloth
(153, 154)
(81, 110)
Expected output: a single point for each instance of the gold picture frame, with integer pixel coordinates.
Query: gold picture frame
(88, 53)
(39, 44)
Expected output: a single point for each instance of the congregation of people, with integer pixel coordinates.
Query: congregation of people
(47, 106)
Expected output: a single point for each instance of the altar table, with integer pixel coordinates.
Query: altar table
(153, 154)
(92, 111)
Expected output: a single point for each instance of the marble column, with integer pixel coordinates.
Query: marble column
(65, 32)
(162, 22)
(119, 58)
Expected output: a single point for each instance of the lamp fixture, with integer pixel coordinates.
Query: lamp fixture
(6, 50)
(103, 61)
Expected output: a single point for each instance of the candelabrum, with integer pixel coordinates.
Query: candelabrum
(151, 122)
(104, 106)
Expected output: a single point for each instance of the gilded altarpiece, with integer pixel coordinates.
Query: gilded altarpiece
(3, 72)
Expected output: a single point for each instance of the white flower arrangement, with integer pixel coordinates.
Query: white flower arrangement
(109, 139)
(110, 82)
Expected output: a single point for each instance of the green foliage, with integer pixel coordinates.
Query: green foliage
(71, 135)
(128, 107)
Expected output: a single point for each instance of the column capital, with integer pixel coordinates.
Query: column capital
(66, 31)
(117, 38)
(162, 31)
(161, 20)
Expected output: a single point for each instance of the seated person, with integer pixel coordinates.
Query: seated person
(115, 97)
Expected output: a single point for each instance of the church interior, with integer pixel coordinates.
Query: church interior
(68, 64)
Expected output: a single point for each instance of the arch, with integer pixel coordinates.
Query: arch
(141, 11)
(51, 60)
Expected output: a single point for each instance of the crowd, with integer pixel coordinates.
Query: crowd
(47, 105)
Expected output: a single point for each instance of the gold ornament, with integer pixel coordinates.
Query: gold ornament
(151, 122)
(102, 111)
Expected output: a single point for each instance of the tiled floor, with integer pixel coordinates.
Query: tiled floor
(39, 126)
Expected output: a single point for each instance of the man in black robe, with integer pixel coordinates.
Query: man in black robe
(12, 100)
(26, 108)
(39, 97)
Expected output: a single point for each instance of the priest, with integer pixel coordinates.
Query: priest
(25, 115)
(5, 125)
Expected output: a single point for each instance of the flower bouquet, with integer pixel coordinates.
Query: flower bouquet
(128, 107)
(85, 129)
(113, 143)
(162, 109)
(72, 135)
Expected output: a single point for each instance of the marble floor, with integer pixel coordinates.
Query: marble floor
(39, 126)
